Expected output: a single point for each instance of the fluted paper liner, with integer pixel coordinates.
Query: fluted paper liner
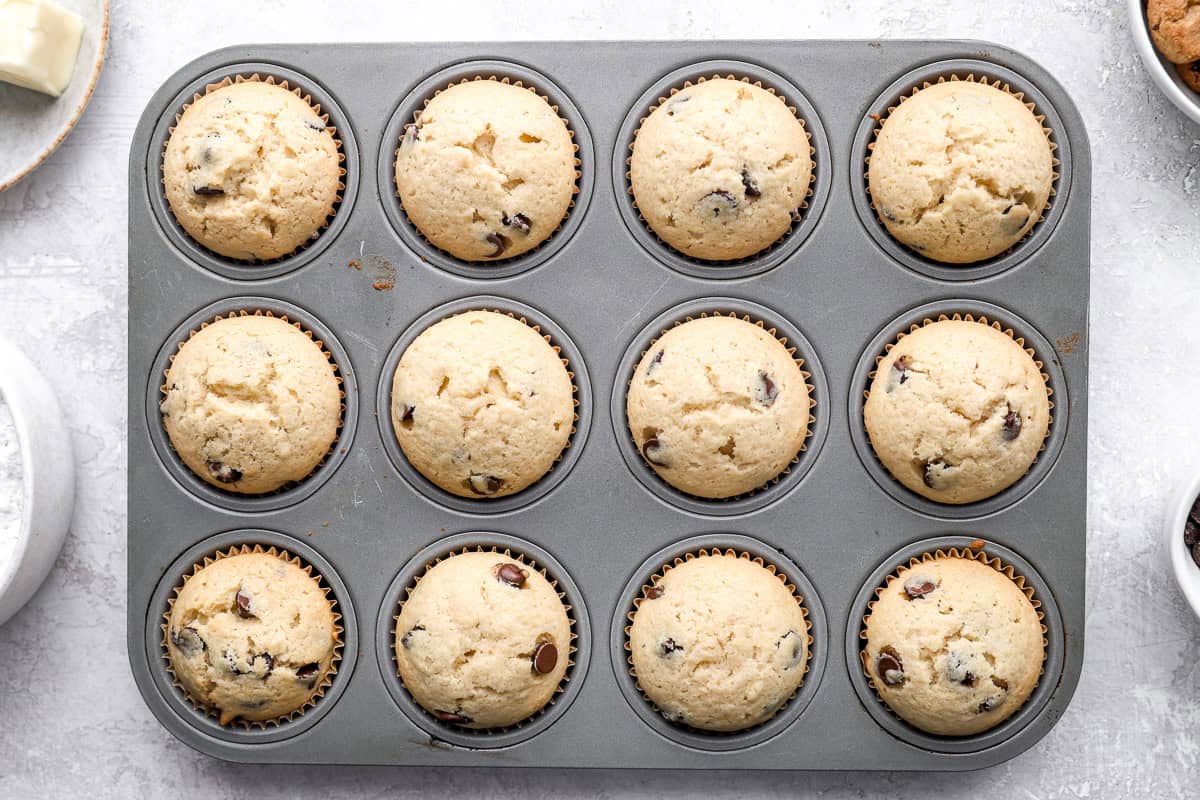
(798, 359)
(258, 312)
(705, 552)
(970, 77)
(416, 121)
(318, 691)
(270, 80)
(520, 558)
(796, 218)
(976, 552)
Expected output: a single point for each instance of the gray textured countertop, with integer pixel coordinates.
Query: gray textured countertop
(70, 716)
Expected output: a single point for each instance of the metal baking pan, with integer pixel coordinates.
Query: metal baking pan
(602, 287)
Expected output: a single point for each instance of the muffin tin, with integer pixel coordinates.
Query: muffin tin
(600, 521)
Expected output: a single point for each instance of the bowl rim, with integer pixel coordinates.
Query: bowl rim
(11, 566)
(1187, 572)
(1169, 84)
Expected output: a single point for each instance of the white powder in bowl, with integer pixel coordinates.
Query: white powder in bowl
(12, 486)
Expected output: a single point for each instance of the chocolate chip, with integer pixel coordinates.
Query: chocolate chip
(674, 717)
(510, 573)
(453, 717)
(918, 586)
(241, 605)
(749, 185)
(935, 473)
(308, 672)
(676, 101)
(1193, 514)
(899, 372)
(668, 646)
(545, 658)
(406, 417)
(654, 362)
(720, 203)
(791, 639)
(519, 222)
(315, 124)
(484, 484)
(267, 659)
(653, 592)
(406, 639)
(888, 215)
(956, 669)
(231, 662)
(990, 704)
(1196, 553)
(207, 156)
(1012, 426)
(968, 679)
(1191, 533)
(498, 241)
(889, 667)
(223, 472)
(208, 191)
(766, 390)
(654, 451)
(188, 641)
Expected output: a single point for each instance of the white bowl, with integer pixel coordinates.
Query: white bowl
(1162, 71)
(49, 470)
(1187, 572)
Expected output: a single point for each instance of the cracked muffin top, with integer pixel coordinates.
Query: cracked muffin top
(251, 172)
(487, 171)
(482, 404)
(720, 170)
(954, 647)
(251, 635)
(960, 172)
(957, 411)
(251, 404)
(719, 643)
(718, 407)
(483, 640)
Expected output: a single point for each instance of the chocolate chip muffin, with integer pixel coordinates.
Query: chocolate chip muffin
(252, 635)
(487, 171)
(957, 411)
(720, 170)
(251, 171)
(482, 404)
(718, 407)
(251, 403)
(1175, 28)
(719, 642)
(960, 172)
(954, 646)
(483, 640)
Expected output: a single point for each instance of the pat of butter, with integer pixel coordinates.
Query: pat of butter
(39, 42)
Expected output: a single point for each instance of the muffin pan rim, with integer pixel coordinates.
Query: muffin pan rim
(1017, 255)
(174, 697)
(251, 272)
(1053, 666)
(569, 687)
(285, 496)
(782, 249)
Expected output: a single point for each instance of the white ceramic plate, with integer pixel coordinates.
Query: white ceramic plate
(1162, 71)
(32, 125)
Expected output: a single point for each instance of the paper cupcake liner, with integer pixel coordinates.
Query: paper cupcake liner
(981, 320)
(797, 218)
(520, 558)
(318, 691)
(705, 552)
(976, 552)
(970, 77)
(270, 80)
(312, 337)
(416, 121)
(799, 361)
(566, 365)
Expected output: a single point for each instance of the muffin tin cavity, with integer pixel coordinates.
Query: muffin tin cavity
(570, 454)
(1052, 667)
(707, 740)
(818, 425)
(1051, 367)
(204, 720)
(287, 495)
(408, 111)
(960, 68)
(819, 185)
(231, 268)
(533, 557)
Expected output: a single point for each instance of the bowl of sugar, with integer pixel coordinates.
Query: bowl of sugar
(37, 479)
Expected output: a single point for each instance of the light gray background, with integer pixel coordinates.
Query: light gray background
(70, 716)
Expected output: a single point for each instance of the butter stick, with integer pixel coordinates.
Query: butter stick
(39, 42)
